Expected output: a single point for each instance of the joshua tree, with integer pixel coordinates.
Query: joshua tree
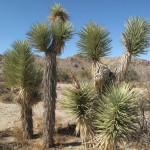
(80, 102)
(136, 40)
(51, 40)
(117, 117)
(94, 43)
(21, 73)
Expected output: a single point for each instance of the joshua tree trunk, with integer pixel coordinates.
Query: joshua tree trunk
(49, 98)
(27, 122)
(97, 78)
(102, 76)
(123, 68)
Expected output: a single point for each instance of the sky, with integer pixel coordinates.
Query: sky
(17, 16)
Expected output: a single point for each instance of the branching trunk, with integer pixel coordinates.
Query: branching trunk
(102, 76)
(123, 67)
(27, 122)
(49, 98)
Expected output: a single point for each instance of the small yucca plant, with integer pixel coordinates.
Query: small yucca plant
(80, 103)
(116, 119)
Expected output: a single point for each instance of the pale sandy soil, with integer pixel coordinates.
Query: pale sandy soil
(10, 118)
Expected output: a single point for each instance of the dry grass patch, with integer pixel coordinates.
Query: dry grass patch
(38, 125)
(38, 145)
(18, 135)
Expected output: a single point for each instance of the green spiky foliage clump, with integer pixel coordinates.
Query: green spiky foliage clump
(21, 73)
(40, 36)
(43, 37)
(80, 103)
(136, 40)
(62, 32)
(94, 42)
(136, 36)
(117, 118)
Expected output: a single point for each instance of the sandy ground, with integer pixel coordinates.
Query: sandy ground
(10, 113)
(10, 116)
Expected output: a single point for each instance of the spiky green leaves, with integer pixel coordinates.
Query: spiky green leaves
(18, 64)
(58, 13)
(136, 36)
(40, 36)
(94, 42)
(21, 72)
(80, 103)
(117, 118)
(61, 32)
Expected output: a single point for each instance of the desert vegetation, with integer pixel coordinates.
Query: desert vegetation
(108, 110)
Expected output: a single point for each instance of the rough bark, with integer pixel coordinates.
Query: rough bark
(49, 98)
(102, 76)
(123, 67)
(27, 122)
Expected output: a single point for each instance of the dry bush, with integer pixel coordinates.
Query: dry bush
(59, 122)
(68, 130)
(7, 98)
(63, 76)
(85, 75)
(60, 140)
(37, 146)
(18, 135)
(132, 75)
(3, 144)
(38, 125)
(5, 133)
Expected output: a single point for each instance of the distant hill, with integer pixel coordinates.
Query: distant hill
(77, 64)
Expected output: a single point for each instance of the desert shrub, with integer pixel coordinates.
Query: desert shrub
(63, 75)
(7, 98)
(18, 135)
(132, 75)
(84, 74)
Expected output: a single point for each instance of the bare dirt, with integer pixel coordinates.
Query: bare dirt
(10, 120)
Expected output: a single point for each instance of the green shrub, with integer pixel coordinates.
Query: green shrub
(63, 75)
(84, 74)
(132, 75)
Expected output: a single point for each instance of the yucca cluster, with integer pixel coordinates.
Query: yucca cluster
(105, 115)
(104, 121)
(109, 112)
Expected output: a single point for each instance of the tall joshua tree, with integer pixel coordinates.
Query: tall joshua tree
(51, 40)
(22, 74)
(136, 41)
(93, 44)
